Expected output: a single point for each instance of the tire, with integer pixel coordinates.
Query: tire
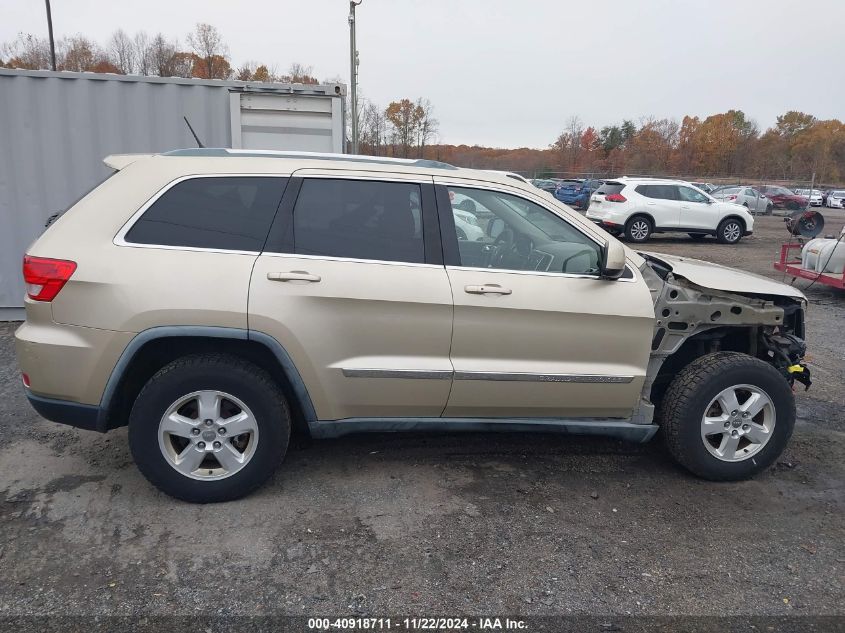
(231, 387)
(697, 236)
(729, 231)
(693, 394)
(769, 209)
(638, 229)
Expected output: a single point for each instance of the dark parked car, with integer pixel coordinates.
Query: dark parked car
(544, 184)
(782, 198)
(576, 192)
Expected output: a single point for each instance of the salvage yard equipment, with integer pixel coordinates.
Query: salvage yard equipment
(822, 260)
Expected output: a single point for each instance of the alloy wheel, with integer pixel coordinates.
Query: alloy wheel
(732, 231)
(738, 423)
(639, 230)
(208, 435)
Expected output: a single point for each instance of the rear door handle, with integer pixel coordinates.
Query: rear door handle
(293, 275)
(489, 289)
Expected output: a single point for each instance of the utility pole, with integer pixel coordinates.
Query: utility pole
(50, 30)
(353, 62)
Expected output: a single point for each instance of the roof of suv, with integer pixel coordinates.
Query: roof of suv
(317, 160)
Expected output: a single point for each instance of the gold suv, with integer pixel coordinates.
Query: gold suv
(215, 300)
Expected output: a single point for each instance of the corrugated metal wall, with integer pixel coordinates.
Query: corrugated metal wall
(56, 128)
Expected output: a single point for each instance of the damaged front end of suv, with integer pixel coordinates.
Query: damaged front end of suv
(693, 320)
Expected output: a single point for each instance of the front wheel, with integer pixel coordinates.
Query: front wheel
(727, 416)
(209, 428)
(729, 231)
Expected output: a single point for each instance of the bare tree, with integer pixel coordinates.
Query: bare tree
(207, 44)
(372, 127)
(27, 52)
(122, 51)
(143, 53)
(162, 53)
(300, 74)
(427, 125)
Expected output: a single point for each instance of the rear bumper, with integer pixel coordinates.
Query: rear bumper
(82, 416)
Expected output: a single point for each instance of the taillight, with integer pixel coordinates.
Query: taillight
(731, 197)
(45, 277)
(25, 379)
(616, 197)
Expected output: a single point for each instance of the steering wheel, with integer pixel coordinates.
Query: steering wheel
(503, 244)
(583, 251)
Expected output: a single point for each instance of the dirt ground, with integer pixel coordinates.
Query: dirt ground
(437, 525)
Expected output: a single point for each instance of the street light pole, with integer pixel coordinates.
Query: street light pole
(353, 62)
(50, 30)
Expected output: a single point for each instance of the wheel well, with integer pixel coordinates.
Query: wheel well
(728, 339)
(735, 217)
(641, 214)
(157, 353)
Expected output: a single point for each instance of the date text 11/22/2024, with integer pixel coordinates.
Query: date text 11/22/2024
(416, 624)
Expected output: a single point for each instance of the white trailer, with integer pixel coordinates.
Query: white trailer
(56, 128)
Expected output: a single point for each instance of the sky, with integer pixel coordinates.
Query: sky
(504, 73)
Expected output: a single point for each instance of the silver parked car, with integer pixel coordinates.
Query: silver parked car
(747, 196)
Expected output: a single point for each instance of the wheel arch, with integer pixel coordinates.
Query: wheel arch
(739, 218)
(644, 214)
(154, 348)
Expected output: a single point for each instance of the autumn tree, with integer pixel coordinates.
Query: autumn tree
(211, 52)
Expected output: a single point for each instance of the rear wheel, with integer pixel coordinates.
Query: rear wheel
(209, 428)
(638, 229)
(729, 231)
(727, 416)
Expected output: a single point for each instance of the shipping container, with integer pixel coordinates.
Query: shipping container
(56, 128)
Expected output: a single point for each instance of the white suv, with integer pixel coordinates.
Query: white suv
(638, 207)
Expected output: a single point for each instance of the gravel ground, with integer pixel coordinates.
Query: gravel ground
(436, 525)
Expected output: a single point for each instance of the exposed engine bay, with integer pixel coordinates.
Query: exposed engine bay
(692, 321)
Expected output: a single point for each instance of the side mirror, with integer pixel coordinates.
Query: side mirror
(612, 260)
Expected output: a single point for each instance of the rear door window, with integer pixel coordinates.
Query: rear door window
(220, 213)
(660, 192)
(359, 219)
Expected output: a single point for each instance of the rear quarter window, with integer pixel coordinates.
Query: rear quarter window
(221, 213)
(610, 187)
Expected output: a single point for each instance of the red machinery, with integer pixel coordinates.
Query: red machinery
(806, 224)
(793, 267)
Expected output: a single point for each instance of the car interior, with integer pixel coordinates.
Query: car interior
(521, 235)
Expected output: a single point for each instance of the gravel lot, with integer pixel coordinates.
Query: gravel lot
(437, 525)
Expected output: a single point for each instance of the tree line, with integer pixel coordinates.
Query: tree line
(721, 145)
(727, 144)
(204, 56)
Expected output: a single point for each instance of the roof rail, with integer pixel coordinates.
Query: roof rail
(209, 152)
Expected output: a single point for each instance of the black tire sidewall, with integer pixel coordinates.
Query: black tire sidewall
(630, 223)
(720, 231)
(696, 456)
(167, 387)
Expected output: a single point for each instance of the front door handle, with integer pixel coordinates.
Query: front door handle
(293, 275)
(488, 289)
